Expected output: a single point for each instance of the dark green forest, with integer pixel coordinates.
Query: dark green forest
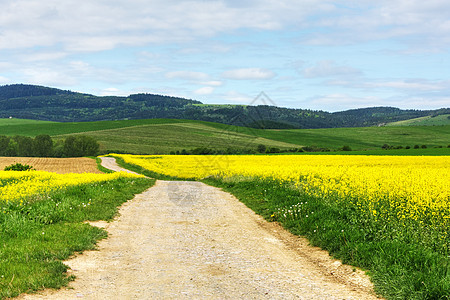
(50, 104)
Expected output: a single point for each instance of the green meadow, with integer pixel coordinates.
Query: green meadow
(161, 136)
(424, 121)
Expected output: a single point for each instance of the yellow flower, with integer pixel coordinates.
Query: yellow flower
(413, 187)
(16, 185)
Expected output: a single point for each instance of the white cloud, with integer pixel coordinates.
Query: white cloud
(425, 102)
(329, 68)
(187, 75)
(406, 85)
(42, 56)
(113, 92)
(411, 85)
(98, 25)
(212, 83)
(207, 90)
(80, 66)
(337, 102)
(47, 76)
(153, 45)
(416, 23)
(4, 80)
(237, 97)
(248, 74)
(341, 102)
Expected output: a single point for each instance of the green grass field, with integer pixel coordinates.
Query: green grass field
(424, 121)
(161, 136)
(364, 137)
(14, 122)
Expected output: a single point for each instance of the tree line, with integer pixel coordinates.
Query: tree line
(43, 103)
(44, 146)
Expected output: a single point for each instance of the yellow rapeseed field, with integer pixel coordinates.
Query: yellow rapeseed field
(411, 187)
(17, 185)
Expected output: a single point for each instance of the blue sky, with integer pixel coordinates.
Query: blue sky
(314, 54)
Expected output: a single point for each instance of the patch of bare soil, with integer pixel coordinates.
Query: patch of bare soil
(187, 240)
(57, 165)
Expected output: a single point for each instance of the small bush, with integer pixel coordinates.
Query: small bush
(261, 148)
(416, 146)
(18, 167)
(423, 146)
(273, 150)
(346, 148)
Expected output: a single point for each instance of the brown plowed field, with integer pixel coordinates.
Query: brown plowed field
(57, 165)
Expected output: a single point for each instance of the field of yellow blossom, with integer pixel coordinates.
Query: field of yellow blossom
(387, 214)
(416, 187)
(43, 221)
(18, 185)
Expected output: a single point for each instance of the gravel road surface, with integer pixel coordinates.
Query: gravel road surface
(187, 240)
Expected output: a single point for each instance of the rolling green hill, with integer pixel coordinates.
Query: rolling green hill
(161, 136)
(424, 121)
(365, 137)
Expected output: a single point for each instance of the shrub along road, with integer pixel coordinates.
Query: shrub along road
(189, 240)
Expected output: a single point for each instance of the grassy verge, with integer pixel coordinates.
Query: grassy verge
(148, 173)
(37, 236)
(98, 160)
(404, 260)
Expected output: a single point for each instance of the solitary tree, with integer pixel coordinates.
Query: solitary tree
(81, 145)
(24, 145)
(43, 145)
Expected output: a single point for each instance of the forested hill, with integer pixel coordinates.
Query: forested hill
(44, 103)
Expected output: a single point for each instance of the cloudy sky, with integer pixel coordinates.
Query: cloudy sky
(315, 54)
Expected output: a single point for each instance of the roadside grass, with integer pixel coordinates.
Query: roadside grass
(404, 260)
(148, 173)
(98, 160)
(37, 236)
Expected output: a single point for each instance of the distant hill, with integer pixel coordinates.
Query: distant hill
(50, 104)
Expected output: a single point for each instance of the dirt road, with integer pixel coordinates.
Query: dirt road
(187, 240)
